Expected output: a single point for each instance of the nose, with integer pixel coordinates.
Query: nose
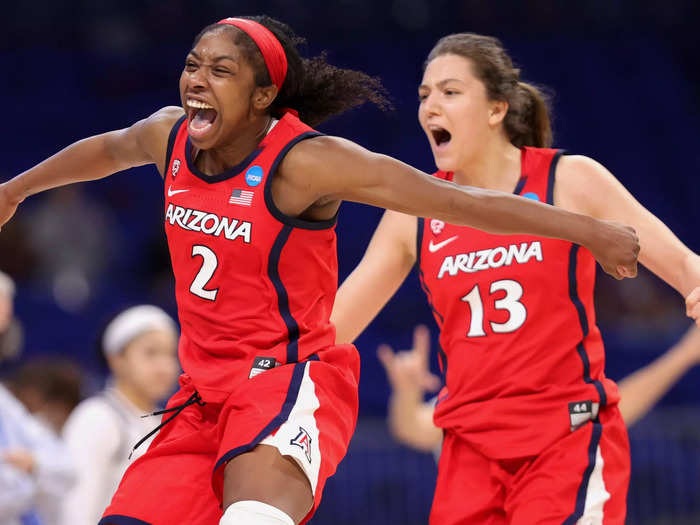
(430, 105)
(197, 79)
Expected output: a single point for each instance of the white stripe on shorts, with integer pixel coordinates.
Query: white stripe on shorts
(298, 436)
(596, 494)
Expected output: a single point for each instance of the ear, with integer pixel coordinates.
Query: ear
(263, 97)
(497, 111)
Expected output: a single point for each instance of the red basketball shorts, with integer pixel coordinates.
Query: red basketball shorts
(307, 410)
(581, 479)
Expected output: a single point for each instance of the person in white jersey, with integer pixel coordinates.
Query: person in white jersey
(140, 347)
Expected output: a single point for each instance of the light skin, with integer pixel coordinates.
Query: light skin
(310, 183)
(411, 419)
(145, 371)
(479, 153)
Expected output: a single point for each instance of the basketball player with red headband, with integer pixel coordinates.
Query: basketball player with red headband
(268, 402)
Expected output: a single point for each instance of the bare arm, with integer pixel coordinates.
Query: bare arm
(335, 168)
(410, 418)
(585, 186)
(94, 158)
(389, 257)
(642, 389)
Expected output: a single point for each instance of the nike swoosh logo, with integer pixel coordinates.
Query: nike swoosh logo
(172, 192)
(432, 248)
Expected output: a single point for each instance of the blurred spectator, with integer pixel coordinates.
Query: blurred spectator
(73, 238)
(49, 388)
(10, 328)
(35, 468)
(139, 346)
(411, 418)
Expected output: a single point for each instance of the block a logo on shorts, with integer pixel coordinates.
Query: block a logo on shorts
(254, 175)
(176, 167)
(436, 226)
(303, 441)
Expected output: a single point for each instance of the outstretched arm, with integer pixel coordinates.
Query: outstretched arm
(640, 390)
(585, 186)
(338, 169)
(93, 158)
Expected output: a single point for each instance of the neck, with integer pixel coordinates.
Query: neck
(235, 148)
(496, 166)
(136, 398)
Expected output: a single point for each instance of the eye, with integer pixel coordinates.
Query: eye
(450, 92)
(190, 65)
(221, 71)
(422, 97)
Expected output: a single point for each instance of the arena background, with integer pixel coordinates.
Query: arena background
(626, 82)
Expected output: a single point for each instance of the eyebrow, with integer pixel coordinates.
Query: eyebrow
(441, 83)
(216, 59)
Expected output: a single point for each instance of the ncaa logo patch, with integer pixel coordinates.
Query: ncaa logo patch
(176, 167)
(254, 175)
(530, 195)
(303, 441)
(436, 226)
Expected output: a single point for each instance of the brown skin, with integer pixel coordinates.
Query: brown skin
(315, 176)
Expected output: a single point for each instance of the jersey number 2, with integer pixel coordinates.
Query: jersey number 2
(205, 273)
(511, 302)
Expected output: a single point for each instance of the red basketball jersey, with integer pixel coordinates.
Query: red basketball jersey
(254, 287)
(522, 356)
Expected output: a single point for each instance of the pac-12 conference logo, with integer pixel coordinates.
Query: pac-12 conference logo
(254, 175)
(176, 167)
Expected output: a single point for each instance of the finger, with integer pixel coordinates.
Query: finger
(421, 341)
(692, 299)
(386, 356)
(431, 382)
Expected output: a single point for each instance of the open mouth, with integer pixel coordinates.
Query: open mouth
(200, 116)
(441, 136)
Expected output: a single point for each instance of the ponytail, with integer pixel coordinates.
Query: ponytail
(527, 121)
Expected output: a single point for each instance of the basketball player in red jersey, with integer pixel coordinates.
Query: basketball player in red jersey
(532, 432)
(268, 402)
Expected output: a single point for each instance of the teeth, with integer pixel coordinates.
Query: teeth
(198, 105)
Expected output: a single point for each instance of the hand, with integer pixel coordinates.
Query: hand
(616, 248)
(8, 204)
(692, 305)
(20, 459)
(409, 370)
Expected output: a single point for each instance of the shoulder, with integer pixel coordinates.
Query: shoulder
(317, 151)
(577, 179)
(161, 122)
(94, 414)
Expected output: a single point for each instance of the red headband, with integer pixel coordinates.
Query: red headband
(271, 49)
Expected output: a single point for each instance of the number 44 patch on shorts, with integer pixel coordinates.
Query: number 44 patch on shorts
(580, 412)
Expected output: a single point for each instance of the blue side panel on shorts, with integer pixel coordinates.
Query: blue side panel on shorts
(583, 487)
(292, 394)
(117, 519)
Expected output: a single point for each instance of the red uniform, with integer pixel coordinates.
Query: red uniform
(524, 369)
(255, 290)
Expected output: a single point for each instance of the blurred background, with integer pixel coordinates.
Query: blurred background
(626, 86)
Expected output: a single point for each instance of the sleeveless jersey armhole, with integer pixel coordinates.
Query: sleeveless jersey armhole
(269, 202)
(171, 144)
(551, 176)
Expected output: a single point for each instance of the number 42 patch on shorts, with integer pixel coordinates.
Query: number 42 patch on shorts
(262, 364)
